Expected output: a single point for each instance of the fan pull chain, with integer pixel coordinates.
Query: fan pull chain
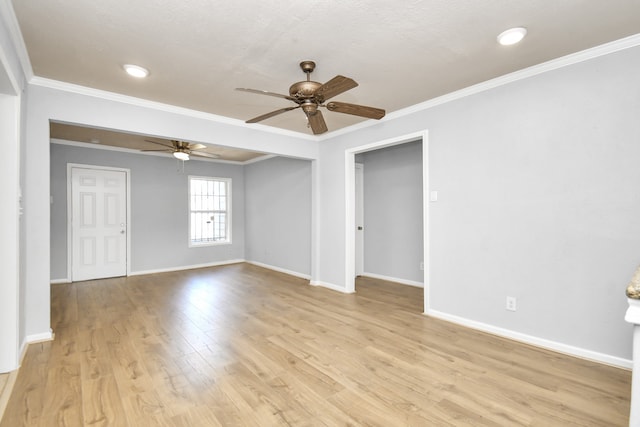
(180, 170)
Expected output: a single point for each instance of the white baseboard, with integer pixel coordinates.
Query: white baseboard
(394, 279)
(301, 275)
(36, 338)
(535, 341)
(186, 267)
(23, 352)
(281, 270)
(484, 327)
(329, 286)
(167, 270)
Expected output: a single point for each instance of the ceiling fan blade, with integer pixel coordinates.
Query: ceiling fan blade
(271, 114)
(334, 87)
(356, 110)
(195, 146)
(202, 154)
(317, 123)
(265, 92)
(159, 143)
(161, 151)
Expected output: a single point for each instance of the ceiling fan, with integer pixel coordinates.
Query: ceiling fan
(310, 95)
(182, 150)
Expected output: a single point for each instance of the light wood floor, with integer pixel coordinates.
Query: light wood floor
(5, 389)
(240, 345)
(3, 382)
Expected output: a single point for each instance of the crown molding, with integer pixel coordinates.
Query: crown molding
(259, 159)
(554, 64)
(166, 156)
(145, 103)
(11, 22)
(352, 128)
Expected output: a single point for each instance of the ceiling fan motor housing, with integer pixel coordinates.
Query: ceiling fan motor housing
(310, 95)
(304, 90)
(309, 107)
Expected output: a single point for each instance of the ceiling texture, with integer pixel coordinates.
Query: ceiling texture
(400, 53)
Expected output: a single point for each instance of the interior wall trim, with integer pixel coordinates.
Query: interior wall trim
(280, 270)
(8, 15)
(151, 153)
(330, 286)
(155, 105)
(394, 279)
(185, 267)
(558, 347)
(525, 73)
(36, 338)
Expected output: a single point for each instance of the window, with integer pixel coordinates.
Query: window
(209, 211)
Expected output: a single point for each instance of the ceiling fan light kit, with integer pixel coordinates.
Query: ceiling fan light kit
(182, 150)
(181, 155)
(310, 95)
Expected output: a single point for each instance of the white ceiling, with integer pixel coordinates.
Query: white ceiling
(401, 53)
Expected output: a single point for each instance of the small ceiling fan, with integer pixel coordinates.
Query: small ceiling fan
(310, 95)
(182, 150)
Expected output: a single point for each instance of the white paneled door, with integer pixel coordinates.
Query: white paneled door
(98, 223)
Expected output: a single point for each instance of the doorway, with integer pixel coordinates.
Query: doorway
(353, 252)
(98, 221)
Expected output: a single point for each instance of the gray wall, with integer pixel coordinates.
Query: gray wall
(393, 227)
(159, 208)
(278, 213)
(539, 198)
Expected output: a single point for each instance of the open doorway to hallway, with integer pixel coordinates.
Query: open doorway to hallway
(389, 214)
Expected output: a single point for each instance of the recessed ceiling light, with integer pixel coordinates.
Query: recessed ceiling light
(512, 36)
(135, 70)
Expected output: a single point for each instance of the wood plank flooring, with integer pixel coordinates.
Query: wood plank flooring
(4, 379)
(6, 384)
(243, 346)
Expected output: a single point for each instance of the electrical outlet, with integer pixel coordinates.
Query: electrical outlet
(422, 265)
(511, 303)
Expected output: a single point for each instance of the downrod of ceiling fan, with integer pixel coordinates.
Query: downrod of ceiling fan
(308, 67)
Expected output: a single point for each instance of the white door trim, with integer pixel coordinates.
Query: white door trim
(359, 212)
(127, 173)
(350, 202)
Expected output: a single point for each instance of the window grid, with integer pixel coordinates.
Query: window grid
(209, 210)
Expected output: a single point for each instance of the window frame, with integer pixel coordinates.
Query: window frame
(228, 184)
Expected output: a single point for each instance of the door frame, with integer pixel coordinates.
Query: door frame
(350, 201)
(359, 212)
(127, 173)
